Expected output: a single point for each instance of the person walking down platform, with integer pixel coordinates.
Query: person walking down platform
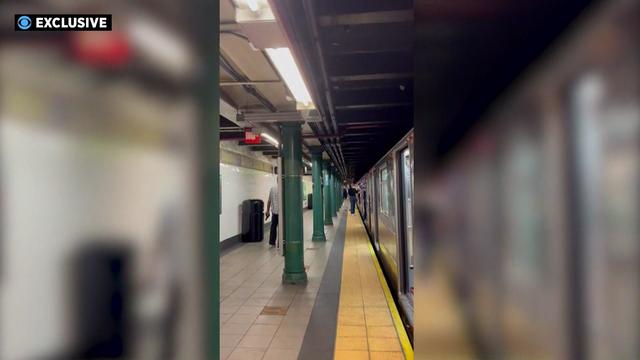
(352, 198)
(344, 193)
(272, 209)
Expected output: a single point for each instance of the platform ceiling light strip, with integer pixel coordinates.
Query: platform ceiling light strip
(286, 65)
(270, 139)
(161, 46)
(253, 5)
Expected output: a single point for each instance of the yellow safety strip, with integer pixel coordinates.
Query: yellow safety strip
(397, 321)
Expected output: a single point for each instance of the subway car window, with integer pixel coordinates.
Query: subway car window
(384, 190)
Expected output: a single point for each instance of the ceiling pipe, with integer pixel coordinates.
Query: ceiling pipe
(233, 29)
(254, 82)
(285, 17)
(330, 150)
(248, 88)
(311, 17)
(308, 8)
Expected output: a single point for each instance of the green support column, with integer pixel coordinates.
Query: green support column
(316, 172)
(332, 185)
(340, 199)
(337, 190)
(326, 198)
(294, 272)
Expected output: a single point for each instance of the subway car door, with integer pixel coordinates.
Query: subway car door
(376, 206)
(405, 167)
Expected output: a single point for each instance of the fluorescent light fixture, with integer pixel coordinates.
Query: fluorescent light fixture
(270, 139)
(161, 46)
(286, 65)
(253, 5)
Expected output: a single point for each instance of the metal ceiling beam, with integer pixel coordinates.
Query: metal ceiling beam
(362, 77)
(366, 126)
(371, 134)
(236, 75)
(254, 82)
(242, 143)
(372, 86)
(228, 111)
(311, 17)
(230, 26)
(262, 147)
(355, 135)
(356, 123)
(320, 136)
(364, 18)
(472, 10)
(364, 49)
(373, 106)
(308, 116)
(274, 117)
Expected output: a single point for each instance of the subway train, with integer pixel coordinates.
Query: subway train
(537, 207)
(540, 203)
(385, 203)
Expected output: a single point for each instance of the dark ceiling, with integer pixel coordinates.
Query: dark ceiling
(466, 53)
(367, 51)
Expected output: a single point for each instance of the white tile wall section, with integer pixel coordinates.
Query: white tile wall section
(60, 191)
(307, 188)
(238, 184)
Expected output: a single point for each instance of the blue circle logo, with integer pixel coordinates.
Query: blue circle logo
(24, 22)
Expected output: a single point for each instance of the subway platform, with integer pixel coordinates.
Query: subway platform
(345, 311)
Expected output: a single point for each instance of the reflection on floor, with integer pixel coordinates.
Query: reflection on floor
(440, 328)
(260, 318)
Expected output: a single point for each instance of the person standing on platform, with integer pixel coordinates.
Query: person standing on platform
(344, 193)
(272, 209)
(352, 198)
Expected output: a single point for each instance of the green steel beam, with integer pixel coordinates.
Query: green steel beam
(294, 271)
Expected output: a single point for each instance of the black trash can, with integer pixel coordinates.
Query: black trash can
(252, 223)
(309, 201)
(102, 300)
